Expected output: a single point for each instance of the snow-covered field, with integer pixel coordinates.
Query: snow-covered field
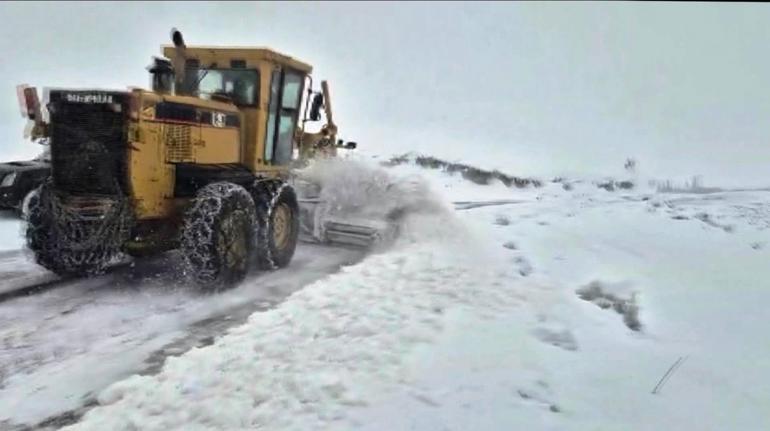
(552, 308)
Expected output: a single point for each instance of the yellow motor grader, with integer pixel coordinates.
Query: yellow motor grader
(201, 163)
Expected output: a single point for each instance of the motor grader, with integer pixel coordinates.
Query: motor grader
(200, 163)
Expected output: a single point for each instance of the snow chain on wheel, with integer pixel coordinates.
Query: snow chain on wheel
(68, 243)
(278, 222)
(217, 238)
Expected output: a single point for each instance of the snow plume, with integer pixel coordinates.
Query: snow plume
(355, 190)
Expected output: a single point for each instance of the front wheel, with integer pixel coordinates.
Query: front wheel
(278, 222)
(217, 238)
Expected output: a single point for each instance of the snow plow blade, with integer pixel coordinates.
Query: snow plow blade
(360, 235)
(364, 234)
(350, 204)
(317, 227)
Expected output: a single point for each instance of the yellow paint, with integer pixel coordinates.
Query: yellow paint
(151, 179)
(156, 145)
(218, 145)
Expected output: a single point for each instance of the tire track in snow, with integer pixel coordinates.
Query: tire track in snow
(125, 323)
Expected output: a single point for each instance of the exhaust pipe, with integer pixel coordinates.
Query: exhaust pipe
(179, 61)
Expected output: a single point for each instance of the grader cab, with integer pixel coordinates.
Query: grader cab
(200, 163)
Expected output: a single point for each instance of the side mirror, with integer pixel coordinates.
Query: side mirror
(315, 109)
(29, 103)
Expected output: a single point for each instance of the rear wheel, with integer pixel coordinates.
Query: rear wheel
(278, 222)
(217, 239)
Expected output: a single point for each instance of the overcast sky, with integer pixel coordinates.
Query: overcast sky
(545, 87)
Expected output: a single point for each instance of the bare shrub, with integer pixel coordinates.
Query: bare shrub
(596, 293)
(470, 173)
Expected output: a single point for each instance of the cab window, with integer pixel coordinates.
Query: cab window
(283, 111)
(242, 85)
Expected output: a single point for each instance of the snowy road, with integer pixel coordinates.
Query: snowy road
(59, 347)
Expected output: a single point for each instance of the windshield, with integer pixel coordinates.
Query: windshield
(239, 84)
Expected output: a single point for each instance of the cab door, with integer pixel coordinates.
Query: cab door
(283, 113)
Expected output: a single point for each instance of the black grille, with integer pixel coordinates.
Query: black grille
(88, 141)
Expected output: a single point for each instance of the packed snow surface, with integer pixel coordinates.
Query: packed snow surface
(61, 347)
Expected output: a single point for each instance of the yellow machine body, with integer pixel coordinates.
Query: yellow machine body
(167, 133)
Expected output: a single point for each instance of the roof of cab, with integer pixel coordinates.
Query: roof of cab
(240, 52)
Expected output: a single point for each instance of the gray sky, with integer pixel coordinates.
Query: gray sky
(527, 87)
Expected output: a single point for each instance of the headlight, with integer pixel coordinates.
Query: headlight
(8, 180)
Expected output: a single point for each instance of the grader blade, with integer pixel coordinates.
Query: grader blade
(361, 234)
(317, 226)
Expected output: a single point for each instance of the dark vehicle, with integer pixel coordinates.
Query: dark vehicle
(19, 178)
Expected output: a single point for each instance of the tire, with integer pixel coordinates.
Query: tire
(278, 223)
(38, 231)
(218, 236)
(49, 240)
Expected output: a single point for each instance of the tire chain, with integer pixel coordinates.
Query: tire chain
(66, 242)
(197, 231)
(266, 193)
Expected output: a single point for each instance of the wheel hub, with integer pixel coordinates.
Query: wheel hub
(281, 225)
(232, 243)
